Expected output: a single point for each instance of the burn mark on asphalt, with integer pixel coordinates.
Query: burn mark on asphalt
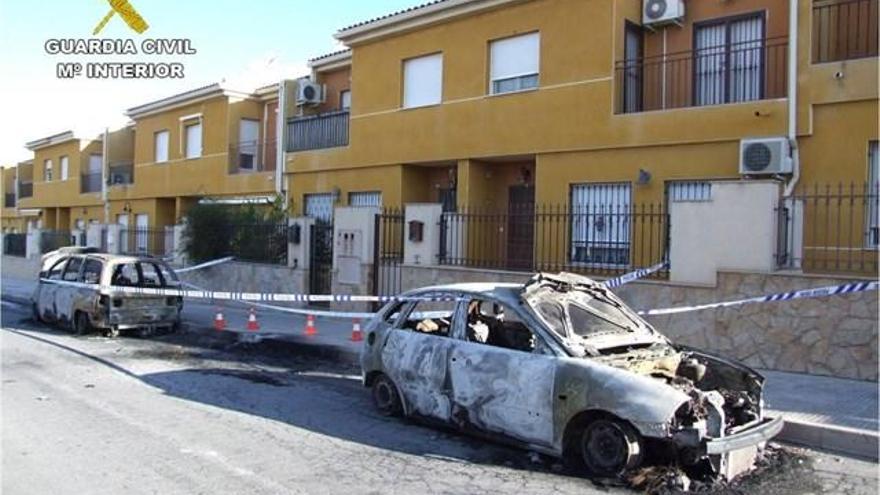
(248, 375)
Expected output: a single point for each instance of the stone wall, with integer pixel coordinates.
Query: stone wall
(834, 336)
(249, 277)
(17, 267)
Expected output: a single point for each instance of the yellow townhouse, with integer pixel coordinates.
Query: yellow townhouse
(209, 143)
(12, 222)
(510, 106)
(64, 182)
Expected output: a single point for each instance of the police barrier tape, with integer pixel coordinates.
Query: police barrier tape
(632, 276)
(833, 290)
(204, 265)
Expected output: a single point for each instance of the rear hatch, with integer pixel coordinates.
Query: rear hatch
(128, 308)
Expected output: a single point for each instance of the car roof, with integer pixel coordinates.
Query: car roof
(114, 258)
(497, 290)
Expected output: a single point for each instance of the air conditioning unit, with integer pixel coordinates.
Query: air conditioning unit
(660, 12)
(765, 156)
(309, 93)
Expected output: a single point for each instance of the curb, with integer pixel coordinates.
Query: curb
(847, 441)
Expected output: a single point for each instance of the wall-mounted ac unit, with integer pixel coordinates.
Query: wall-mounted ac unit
(765, 156)
(660, 12)
(309, 93)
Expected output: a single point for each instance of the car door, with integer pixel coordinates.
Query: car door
(66, 294)
(415, 355)
(46, 294)
(502, 376)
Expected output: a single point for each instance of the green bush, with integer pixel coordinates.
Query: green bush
(248, 232)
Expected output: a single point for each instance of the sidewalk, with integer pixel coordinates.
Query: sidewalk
(828, 413)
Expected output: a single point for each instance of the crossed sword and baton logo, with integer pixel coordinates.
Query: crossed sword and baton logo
(128, 13)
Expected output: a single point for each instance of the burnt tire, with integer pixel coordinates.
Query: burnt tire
(81, 323)
(35, 313)
(385, 397)
(609, 448)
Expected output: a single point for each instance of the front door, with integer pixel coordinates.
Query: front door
(142, 226)
(520, 227)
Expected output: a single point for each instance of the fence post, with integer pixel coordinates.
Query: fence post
(424, 251)
(32, 248)
(113, 231)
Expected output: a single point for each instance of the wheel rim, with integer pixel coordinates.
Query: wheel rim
(384, 396)
(606, 448)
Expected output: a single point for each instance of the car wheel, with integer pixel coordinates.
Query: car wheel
(385, 397)
(610, 448)
(35, 310)
(112, 332)
(81, 323)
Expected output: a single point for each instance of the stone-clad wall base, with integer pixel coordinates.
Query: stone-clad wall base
(250, 277)
(834, 336)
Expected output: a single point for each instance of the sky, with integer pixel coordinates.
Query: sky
(241, 41)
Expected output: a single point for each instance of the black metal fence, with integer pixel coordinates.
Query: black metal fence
(388, 240)
(25, 189)
(15, 244)
(830, 229)
(602, 240)
(9, 200)
(120, 174)
(327, 130)
(89, 183)
(157, 242)
(51, 240)
(844, 29)
(259, 243)
(252, 156)
(737, 72)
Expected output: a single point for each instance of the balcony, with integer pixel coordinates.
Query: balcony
(121, 174)
(734, 73)
(252, 156)
(9, 200)
(327, 130)
(90, 183)
(844, 30)
(25, 189)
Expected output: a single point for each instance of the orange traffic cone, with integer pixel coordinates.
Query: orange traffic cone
(252, 325)
(219, 322)
(356, 334)
(310, 326)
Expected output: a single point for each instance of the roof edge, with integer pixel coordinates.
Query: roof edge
(61, 137)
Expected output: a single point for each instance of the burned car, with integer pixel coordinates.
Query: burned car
(561, 366)
(96, 298)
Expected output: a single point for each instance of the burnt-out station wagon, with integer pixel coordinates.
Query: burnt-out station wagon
(562, 366)
(96, 298)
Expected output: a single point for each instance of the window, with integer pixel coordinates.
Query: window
(345, 100)
(600, 224)
(729, 60)
(365, 199)
(151, 275)
(71, 273)
(96, 163)
(47, 170)
(126, 275)
(65, 167)
(423, 81)
(432, 317)
(92, 271)
(160, 143)
(56, 270)
(682, 191)
(873, 197)
(319, 206)
(514, 63)
(632, 84)
(494, 324)
(193, 133)
(248, 136)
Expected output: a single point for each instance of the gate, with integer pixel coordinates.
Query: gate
(388, 252)
(320, 257)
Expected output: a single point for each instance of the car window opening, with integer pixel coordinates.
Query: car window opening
(492, 324)
(431, 317)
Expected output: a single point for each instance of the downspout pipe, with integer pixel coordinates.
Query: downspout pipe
(793, 96)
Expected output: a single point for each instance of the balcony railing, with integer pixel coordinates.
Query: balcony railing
(327, 130)
(738, 72)
(844, 29)
(121, 174)
(90, 183)
(25, 189)
(252, 156)
(9, 200)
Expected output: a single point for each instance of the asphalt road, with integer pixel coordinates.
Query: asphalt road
(188, 414)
